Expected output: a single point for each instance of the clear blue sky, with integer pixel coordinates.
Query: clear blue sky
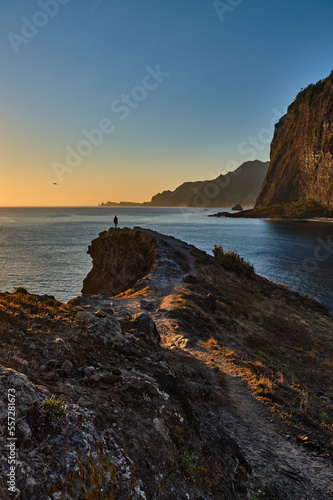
(228, 79)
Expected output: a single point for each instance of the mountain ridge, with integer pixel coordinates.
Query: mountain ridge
(240, 186)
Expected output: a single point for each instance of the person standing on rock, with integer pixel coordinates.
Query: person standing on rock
(115, 221)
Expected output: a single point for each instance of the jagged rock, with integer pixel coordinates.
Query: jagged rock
(66, 367)
(109, 274)
(237, 207)
(87, 316)
(23, 433)
(145, 324)
(95, 378)
(89, 371)
(158, 423)
(136, 258)
(326, 399)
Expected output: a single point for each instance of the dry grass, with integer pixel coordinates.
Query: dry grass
(282, 346)
(233, 262)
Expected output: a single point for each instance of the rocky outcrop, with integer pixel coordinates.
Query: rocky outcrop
(301, 163)
(120, 258)
(237, 207)
(139, 258)
(304, 208)
(241, 186)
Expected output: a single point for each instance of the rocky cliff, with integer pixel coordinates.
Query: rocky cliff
(301, 163)
(241, 186)
(138, 258)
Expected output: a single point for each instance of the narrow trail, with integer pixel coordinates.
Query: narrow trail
(279, 465)
(281, 468)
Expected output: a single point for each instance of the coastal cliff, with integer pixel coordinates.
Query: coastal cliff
(241, 186)
(301, 160)
(175, 375)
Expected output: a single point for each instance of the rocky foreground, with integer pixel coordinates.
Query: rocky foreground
(173, 376)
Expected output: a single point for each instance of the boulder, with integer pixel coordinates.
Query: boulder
(146, 325)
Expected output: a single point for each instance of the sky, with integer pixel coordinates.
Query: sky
(119, 100)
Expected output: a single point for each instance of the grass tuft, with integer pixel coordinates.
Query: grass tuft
(233, 262)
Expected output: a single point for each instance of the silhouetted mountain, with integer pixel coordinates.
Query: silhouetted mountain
(241, 186)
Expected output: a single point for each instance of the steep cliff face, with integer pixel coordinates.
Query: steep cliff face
(301, 163)
(109, 252)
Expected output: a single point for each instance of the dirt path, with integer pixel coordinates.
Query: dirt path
(281, 469)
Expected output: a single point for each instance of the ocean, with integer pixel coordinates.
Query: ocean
(45, 249)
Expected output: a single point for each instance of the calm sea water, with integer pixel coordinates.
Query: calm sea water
(45, 249)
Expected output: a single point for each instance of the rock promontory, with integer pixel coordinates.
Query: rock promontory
(126, 258)
(301, 160)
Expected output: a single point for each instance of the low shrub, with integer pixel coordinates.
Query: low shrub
(54, 407)
(21, 290)
(233, 262)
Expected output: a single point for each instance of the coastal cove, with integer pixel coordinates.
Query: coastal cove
(45, 249)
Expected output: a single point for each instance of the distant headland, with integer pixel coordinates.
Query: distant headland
(124, 204)
(241, 186)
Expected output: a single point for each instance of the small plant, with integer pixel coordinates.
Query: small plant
(54, 407)
(264, 387)
(76, 309)
(324, 417)
(52, 303)
(188, 462)
(21, 290)
(233, 262)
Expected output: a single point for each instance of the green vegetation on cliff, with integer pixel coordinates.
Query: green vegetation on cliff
(304, 208)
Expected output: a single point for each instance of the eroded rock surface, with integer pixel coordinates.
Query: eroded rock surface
(301, 163)
(126, 258)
